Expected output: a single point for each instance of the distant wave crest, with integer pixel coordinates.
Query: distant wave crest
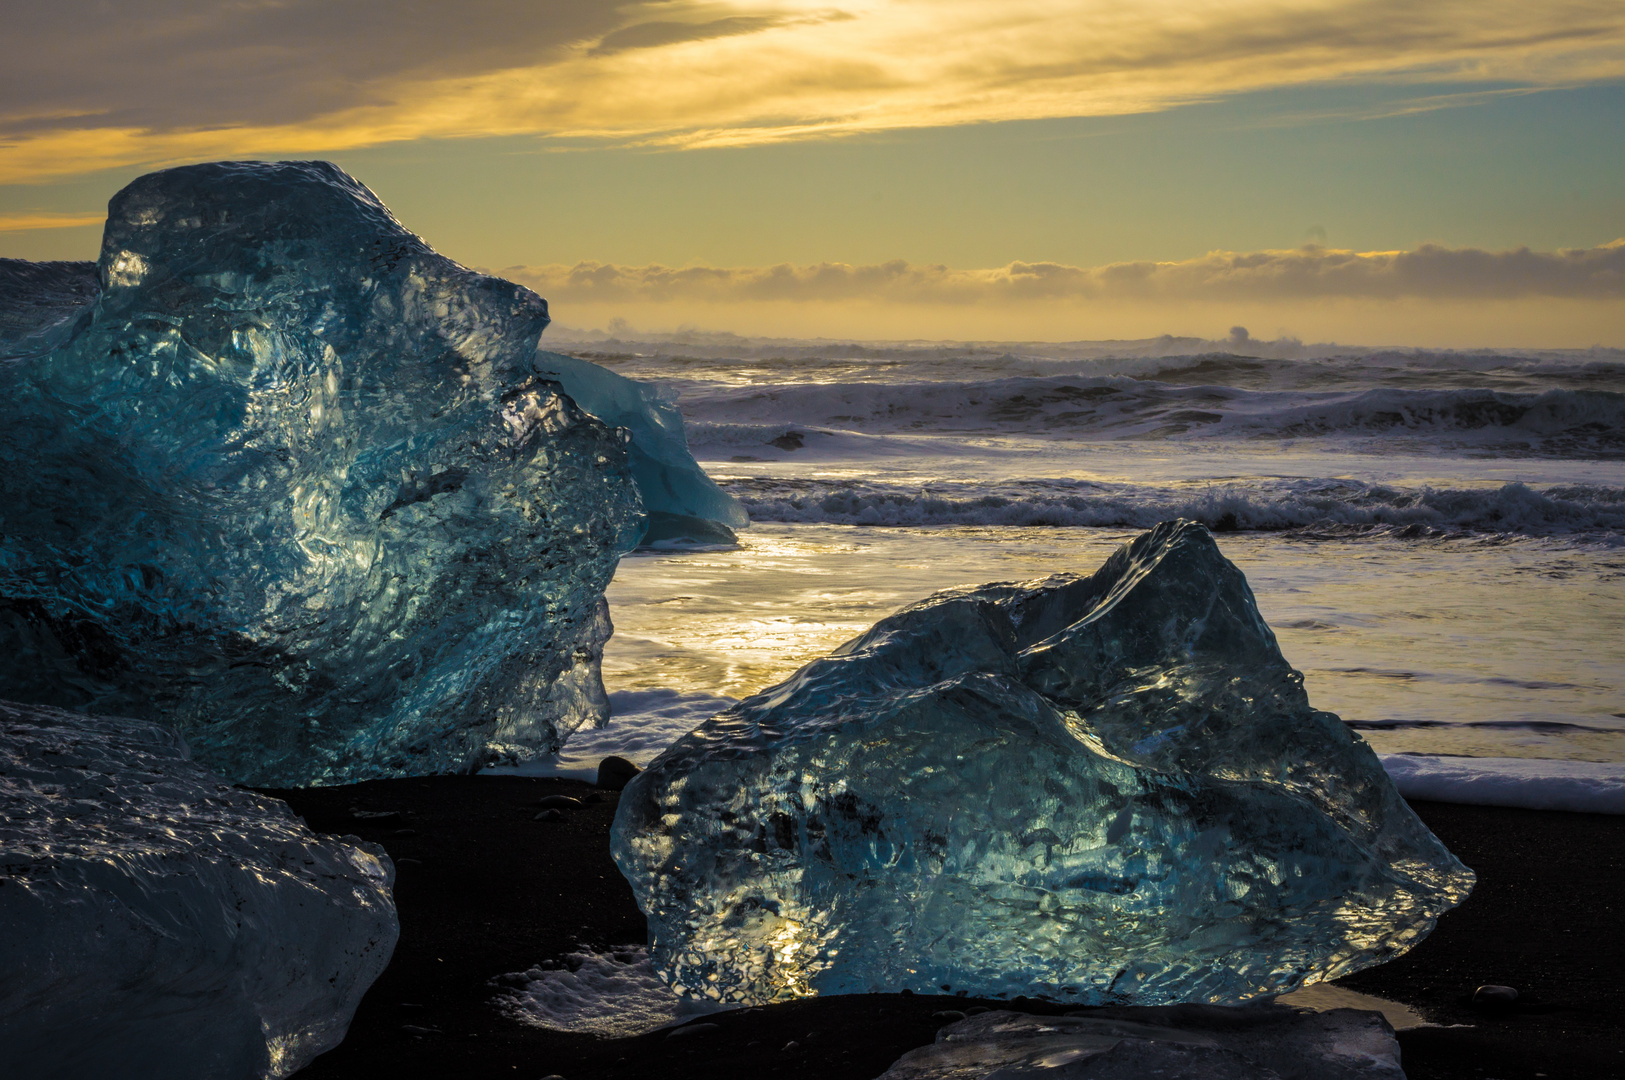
(1553, 421)
(1510, 508)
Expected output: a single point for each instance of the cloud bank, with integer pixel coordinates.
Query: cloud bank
(91, 85)
(28, 221)
(1312, 273)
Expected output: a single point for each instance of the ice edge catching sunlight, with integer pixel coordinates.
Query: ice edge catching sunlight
(689, 74)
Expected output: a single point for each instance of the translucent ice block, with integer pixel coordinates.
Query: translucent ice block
(1108, 789)
(157, 922)
(285, 478)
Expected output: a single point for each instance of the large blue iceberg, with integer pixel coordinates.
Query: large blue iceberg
(1107, 790)
(275, 472)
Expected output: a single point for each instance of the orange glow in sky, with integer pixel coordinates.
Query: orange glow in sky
(696, 98)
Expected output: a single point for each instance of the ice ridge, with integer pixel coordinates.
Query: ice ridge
(287, 479)
(1108, 789)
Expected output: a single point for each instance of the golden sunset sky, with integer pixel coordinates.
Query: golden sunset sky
(1367, 171)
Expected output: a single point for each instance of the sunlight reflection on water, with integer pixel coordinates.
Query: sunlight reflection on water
(1506, 648)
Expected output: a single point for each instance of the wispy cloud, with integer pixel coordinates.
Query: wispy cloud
(656, 32)
(651, 35)
(27, 222)
(88, 85)
(1311, 273)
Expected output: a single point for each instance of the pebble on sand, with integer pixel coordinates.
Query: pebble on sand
(692, 1029)
(614, 772)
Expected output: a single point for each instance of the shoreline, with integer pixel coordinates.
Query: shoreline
(483, 889)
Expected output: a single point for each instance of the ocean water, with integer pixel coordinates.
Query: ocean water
(1438, 538)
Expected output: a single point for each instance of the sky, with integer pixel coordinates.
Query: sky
(1364, 171)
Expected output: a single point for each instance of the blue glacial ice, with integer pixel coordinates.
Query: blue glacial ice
(156, 921)
(1107, 790)
(683, 504)
(276, 473)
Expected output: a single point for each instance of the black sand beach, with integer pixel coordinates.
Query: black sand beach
(484, 889)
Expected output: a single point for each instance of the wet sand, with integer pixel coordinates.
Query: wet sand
(484, 889)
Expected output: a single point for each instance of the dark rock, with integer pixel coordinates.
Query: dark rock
(692, 1029)
(549, 815)
(377, 818)
(559, 802)
(1494, 995)
(790, 440)
(614, 773)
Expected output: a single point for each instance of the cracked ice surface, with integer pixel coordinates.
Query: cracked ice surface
(275, 472)
(156, 921)
(1108, 789)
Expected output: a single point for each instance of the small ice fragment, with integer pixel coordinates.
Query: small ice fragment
(1211, 1042)
(614, 993)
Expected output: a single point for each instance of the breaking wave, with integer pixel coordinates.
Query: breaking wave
(1593, 512)
(1588, 423)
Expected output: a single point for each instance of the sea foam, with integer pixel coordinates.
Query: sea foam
(1550, 422)
(1529, 783)
(1266, 504)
